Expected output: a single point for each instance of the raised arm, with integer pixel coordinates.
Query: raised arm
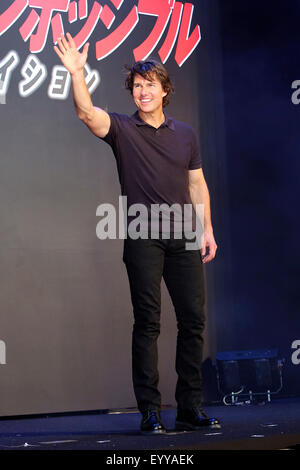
(97, 120)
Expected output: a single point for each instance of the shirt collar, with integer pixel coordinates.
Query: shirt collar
(167, 123)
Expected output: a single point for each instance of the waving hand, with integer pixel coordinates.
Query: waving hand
(72, 59)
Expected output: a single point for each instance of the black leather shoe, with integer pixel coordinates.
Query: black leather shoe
(193, 419)
(151, 423)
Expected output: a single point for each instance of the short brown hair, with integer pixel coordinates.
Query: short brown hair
(146, 68)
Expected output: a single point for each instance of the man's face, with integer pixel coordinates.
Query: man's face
(148, 95)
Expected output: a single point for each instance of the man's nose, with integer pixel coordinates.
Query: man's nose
(144, 89)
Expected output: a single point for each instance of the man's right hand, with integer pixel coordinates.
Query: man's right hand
(97, 120)
(72, 59)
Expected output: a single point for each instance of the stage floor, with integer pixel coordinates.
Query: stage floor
(275, 425)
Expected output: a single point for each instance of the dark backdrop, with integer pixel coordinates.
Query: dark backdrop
(260, 50)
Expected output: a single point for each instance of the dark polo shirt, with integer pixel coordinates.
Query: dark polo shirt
(153, 164)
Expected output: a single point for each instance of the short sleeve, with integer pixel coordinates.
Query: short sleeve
(196, 160)
(110, 137)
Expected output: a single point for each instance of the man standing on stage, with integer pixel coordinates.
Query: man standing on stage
(159, 162)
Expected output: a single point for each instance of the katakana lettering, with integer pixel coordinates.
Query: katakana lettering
(176, 15)
(163, 10)
(60, 83)
(72, 12)
(186, 45)
(75, 8)
(117, 3)
(38, 39)
(167, 47)
(34, 73)
(89, 26)
(107, 17)
(29, 25)
(179, 16)
(106, 46)
(57, 27)
(10, 16)
(92, 78)
(7, 65)
(82, 9)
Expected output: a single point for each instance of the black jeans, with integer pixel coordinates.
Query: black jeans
(147, 261)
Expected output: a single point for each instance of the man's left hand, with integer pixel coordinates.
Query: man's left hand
(210, 244)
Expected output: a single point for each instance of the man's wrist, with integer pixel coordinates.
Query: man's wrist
(208, 229)
(77, 75)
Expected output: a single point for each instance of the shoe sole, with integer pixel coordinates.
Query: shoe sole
(181, 426)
